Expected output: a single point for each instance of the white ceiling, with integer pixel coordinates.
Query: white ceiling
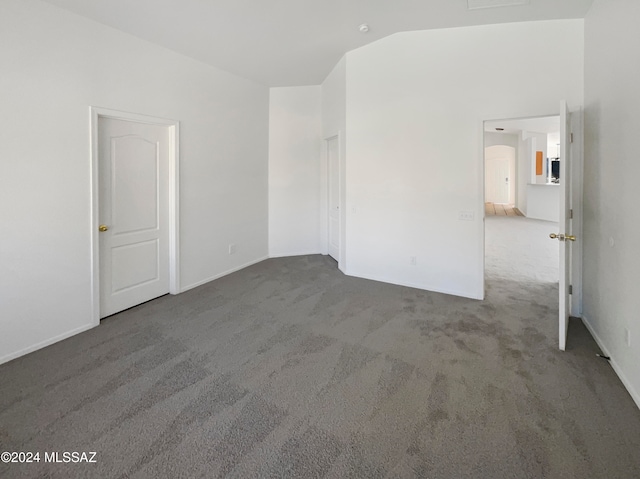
(294, 42)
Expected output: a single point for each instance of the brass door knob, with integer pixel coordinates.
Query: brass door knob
(103, 228)
(562, 237)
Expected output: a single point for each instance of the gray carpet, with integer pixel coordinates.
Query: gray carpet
(290, 369)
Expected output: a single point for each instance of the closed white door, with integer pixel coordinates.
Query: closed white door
(133, 163)
(333, 167)
(498, 176)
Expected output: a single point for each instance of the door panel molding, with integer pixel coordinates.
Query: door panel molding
(173, 127)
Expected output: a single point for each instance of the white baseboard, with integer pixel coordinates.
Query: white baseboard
(73, 332)
(616, 367)
(225, 273)
(45, 343)
(424, 287)
(288, 255)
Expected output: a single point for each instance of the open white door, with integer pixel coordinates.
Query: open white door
(564, 235)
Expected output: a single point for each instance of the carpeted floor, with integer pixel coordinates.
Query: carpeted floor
(290, 369)
(519, 249)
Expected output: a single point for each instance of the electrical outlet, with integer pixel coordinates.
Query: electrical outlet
(413, 260)
(232, 248)
(466, 216)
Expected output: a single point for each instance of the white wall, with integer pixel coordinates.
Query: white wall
(494, 139)
(524, 173)
(54, 66)
(334, 100)
(538, 142)
(415, 105)
(334, 122)
(295, 142)
(543, 202)
(611, 196)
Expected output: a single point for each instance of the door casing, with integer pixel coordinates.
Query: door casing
(333, 183)
(174, 184)
(324, 199)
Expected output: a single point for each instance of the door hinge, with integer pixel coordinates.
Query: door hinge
(571, 214)
(571, 138)
(570, 289)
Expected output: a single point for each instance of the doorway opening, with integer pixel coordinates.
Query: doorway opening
(520, 258)
(518, 189)
(134, 210)
(533, 184)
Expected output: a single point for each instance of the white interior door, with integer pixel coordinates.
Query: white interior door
(333, 170)
(497, 180)
(565, 234)
(133, 161)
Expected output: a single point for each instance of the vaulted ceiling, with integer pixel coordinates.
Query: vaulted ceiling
(295, 42)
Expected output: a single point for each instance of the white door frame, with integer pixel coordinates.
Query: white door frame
(577, 187)
(328, 194)
(324, 199)
(174, 209)
(576, 177)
